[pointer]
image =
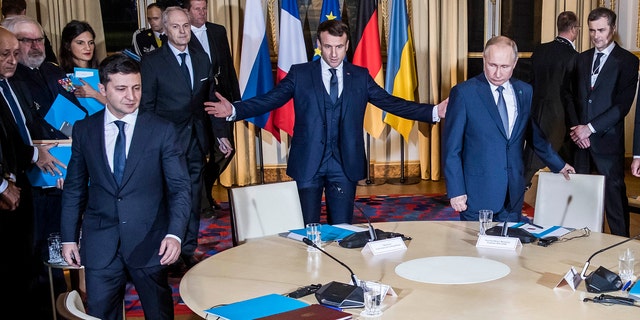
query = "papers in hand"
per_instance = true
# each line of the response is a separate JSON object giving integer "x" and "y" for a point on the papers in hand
{"x": 91, "y": 77}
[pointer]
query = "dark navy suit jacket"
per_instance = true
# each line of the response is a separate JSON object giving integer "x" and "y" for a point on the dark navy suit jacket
{"x": 479, "y": 159}
{"x": 304, "y": 84}
{"x": 152, "y": 201}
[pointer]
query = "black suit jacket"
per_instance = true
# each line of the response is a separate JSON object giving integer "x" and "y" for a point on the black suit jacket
{"x": 43, "y": 85}
{"x": 553, "y": 70}
{"x": 165, "y": 93}
{"x": 225, "y": 81}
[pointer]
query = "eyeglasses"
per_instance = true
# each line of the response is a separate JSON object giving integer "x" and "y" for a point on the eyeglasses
{"x": 32, "y": 41}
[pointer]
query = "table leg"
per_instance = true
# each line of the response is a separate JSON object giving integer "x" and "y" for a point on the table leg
{"x": 53, "y": 296}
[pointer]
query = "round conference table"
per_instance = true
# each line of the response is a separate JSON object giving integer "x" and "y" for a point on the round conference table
{"x": 275, "y": 264}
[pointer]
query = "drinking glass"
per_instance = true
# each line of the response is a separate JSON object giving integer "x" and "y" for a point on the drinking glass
{"x": 372, "y": 298}
{"x": 314, "y": 234}
{"x": 486, "y": 220}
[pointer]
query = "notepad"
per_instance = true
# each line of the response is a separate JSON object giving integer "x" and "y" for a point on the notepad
{"x": 327, "y": 233}
{"x": 256, "y": 307}
{"x": 312, "y": 312}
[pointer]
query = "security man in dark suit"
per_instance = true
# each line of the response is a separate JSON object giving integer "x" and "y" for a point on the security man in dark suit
{"x": 606, "y": 86}
{"x": 553, "y": 70}
{"x": 212, "y": 38}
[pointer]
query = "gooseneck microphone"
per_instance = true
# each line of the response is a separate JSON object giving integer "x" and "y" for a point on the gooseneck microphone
{"x": 603, "y": 280}
{"x": 372, "y": 232}
{"x": 338, "y": 294}
{"x": 308, "y": 242}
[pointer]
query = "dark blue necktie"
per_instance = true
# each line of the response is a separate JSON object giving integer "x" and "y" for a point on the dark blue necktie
{"x": 119, "y": 152}
{"x": 184, "y": 68}
{"x": 596, "y": 65}
{"x": 502, "y": 109}
{"x": 22, "y": 128}
{"x": 333, "y": 85}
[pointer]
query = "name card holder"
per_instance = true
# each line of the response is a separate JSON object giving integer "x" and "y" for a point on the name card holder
{"x": 495, "y": 242}
{"x": 385, "y": 246}
{"x": 572, "y": 279}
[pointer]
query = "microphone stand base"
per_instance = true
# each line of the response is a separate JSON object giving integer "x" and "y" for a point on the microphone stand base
{"x": 371, "y": 182}
{"x": 404, "y": 181}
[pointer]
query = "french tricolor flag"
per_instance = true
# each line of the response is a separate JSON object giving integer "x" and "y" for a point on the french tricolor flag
{"x": 291, "y": 51}
{"x": 255, "y": 65}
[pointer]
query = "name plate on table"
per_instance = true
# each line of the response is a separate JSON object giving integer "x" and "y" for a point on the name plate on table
{"x": 495, "y": 242}
{"x": 385, "y": 246}
{"x": 572, "y": 279}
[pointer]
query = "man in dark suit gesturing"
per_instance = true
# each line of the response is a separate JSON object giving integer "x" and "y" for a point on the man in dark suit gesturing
{"x": 484, "y": 135}
{"x": 327, "y": 149}
{"x": 606, "y": 85}
{"x": 553, "y": 72}
{"x": 176, "y": 84}
{"x": 127, "y": 183}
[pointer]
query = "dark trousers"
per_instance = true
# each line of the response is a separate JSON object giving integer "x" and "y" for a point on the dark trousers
{"x": 339, "y": 194}
{"x": 195, "y": 163}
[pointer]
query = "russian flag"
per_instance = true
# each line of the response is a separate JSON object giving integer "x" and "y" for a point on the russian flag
{"x": 291, "y": 51}
{"x": 401, "y": 80}
{"x": 330, "y": 11}
{"x": 256, "y": 77}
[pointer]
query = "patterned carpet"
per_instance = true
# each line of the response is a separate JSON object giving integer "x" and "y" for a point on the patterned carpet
{"x": 215, "y": 235}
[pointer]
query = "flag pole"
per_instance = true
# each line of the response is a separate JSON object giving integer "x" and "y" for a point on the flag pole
{"x": 369, "y": 181}
{"x": 403, "y": 180}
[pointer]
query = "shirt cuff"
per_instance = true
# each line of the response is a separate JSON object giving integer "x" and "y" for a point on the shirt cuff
{"x": 173, "y": 236}
{"x": 36, "y": 154}
{"x": 434, "y": 114}
{"x": 591, "y": 128}
{"x": 4, "y": 185}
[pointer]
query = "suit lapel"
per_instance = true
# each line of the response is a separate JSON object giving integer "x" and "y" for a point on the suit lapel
{"x": 316, "y": 78}
{"x": 484, "y": 91}
{"x": 171, "y": 60}
{"x": 139, "y": 140}
{"x": 212, "y": 45}
{"x": 96, "y": 133}
{"x": 347, "y": 74}
{"x": 607, "y": 70}
{"x": 519, "y": 123}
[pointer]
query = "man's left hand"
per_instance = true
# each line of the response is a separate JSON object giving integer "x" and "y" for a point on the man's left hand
{"x": 567, "y": 170}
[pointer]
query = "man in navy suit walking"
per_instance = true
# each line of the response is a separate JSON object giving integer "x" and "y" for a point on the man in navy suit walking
{"x": 484, "y": 136}
{"x": 127, "y": 192}
{"x": 327, "y": 149}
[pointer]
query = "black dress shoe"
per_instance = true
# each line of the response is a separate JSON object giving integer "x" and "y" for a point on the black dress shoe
{"x": 216, "y": 205}
{"x": 209, "y": 213}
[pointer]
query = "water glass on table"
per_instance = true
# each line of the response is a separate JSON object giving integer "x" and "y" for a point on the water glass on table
{"x": 626, "y": 265}
{"x": 55, "y": 248}
{"x": 372, "y": 299}
{"x": 486, "y": 221}
{"x": 314, "y": 234}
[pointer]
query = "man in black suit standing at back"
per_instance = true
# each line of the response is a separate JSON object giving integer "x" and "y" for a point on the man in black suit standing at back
{"x": 553, "y": 70}
{"x": 606, "y": 85}
{"x": 212, "y": 38}
{"x": 176, "y": 84}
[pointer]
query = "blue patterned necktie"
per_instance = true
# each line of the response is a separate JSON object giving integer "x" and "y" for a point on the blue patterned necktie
{"x": 502, "y": 109}
{"x": 184, "y": 68}
{"x": 119, "y": 152}
{"x": 333, "y": 85}
{"x": 22, "y": 128}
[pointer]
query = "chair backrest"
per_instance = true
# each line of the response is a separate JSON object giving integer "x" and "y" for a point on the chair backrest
{"x": 262, "y": 210}
{"x": 575, "y": 203}
{"x": 69, "y": 306}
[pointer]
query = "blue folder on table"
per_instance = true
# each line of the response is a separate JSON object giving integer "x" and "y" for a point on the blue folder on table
{"x": 327, "y": 232}
{"x": 261, "y": 306}
{"x": 92, "y": 77}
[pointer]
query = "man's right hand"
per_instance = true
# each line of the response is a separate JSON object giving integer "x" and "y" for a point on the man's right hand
{"x": 10, "y": 197}
{"x": 442, "y": 108}
{"x": 459, "y": 203}
{"x": 221, "y": 109}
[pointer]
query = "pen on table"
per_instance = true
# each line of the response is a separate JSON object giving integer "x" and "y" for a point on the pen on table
{"x": 627, "y": 285}
{"x": 535, "y": 225}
